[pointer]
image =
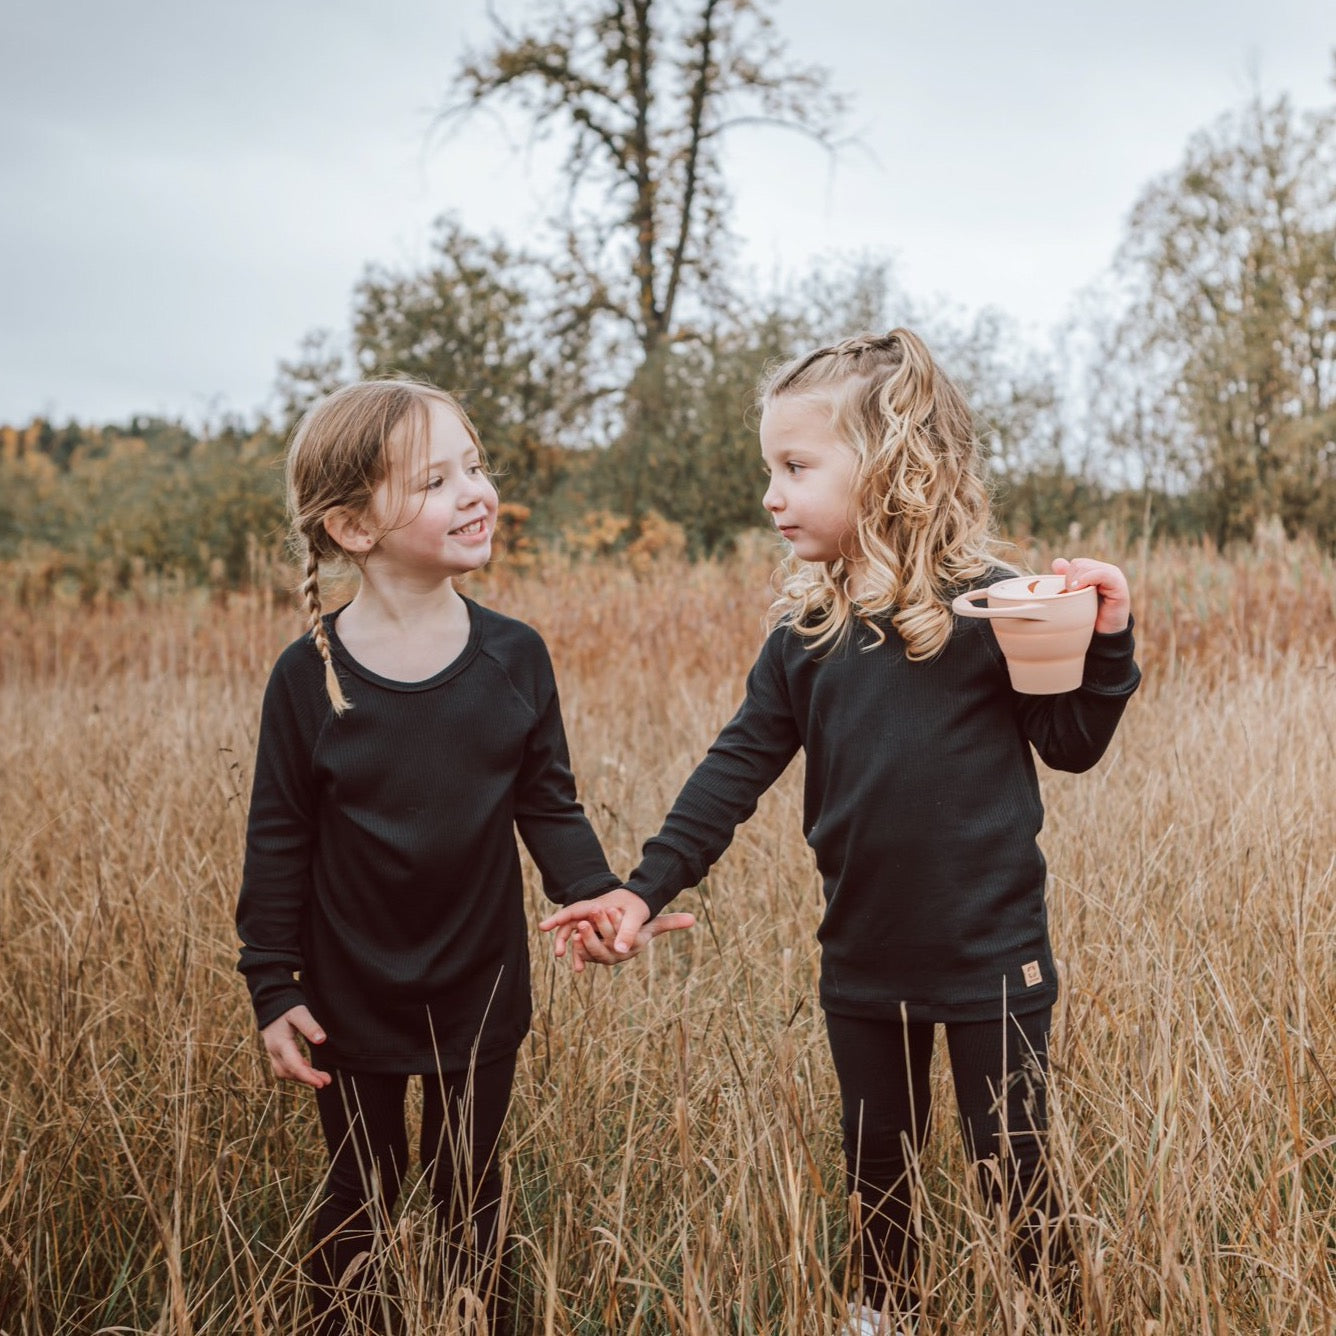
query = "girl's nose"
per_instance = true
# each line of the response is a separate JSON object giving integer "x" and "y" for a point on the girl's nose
{"x": 476, "y": 487}
{"x": 772, "y": 500}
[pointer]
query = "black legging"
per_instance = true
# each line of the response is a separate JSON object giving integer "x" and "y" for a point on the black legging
{"x": 362, "y": 1115}
{"x": 883, "y": 1070}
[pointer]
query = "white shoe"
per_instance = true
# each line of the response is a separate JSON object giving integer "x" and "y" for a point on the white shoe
{"x": 865, "y": 1321}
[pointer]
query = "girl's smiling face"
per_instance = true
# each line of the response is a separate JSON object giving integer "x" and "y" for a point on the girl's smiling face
{"x": 438, "y": 514}
{"x": 812, "y": 478}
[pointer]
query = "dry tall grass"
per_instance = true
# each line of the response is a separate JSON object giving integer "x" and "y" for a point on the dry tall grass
{"x": 673, "y": 1151}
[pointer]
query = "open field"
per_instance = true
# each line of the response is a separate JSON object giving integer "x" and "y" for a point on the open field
{"x": 673, "y": 1151}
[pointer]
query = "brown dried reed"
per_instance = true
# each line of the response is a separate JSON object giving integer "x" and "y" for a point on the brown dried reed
{"x": 673, "y": 1152}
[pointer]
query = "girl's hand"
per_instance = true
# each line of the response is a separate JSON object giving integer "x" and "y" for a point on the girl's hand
{"x": 285, "y": 1054}
{"x": 594, "y": 939}
{"x": 609, "y": 929}
{"x": 1115, "y": 601}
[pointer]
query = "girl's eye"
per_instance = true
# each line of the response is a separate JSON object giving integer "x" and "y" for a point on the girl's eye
{"x": 793, "y": 469}
{"x": 434, "y": 483}
{"x": 476, "y": 469}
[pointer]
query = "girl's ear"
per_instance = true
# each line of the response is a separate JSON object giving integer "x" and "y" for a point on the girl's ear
{"x": 349, "y": 530}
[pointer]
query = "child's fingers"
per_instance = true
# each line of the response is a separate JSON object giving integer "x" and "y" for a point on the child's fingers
{"x": 608, "y": 934}
{"x": 1115, "y": 601}
{"x": 577, "y": 955}
{"x": 566, "y": 915}
{"x": 1079, "y": 572}
{"x": 606, "y": 923}
{"x": 289, "y": 1063}
{"x": 585, "y": 940}
{"x": 306, "y": 1025}
{"x": 670, "y": 923}
{"x": 588, "y": 948}
{"x": 303, "y": 1073}
{"x": 563, "y": 936}
{"x": 1082, "y": 571}
{"x": 597, "y": 943}
{"x": 565, "y": 932}
{"x": 569, "y": 914}
{"x": 285, "y": 1053}
{"x": 633, "y": 919}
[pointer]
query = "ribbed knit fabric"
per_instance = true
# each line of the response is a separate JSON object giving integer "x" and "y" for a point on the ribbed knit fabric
{"x": 921, "y": 805}
{"x": 382, "y": 882}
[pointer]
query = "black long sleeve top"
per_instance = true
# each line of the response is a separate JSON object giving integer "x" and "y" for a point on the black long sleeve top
{"x": 921, "y": 804}
{"x": 382, "y": 883}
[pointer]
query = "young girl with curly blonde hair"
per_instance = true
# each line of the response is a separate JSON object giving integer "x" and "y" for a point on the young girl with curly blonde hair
{"x": 922, "y": 801}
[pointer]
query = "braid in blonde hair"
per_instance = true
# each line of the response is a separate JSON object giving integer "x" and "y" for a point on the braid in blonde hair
{"x": 315, "y": 616}
{"x": 339, "y": 455}
{"x": 921, "y": 508}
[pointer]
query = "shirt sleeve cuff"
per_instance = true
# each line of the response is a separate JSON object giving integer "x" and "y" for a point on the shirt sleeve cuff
{"x": 588, "y": 887}
{"x": 273, "y": 1001}
{"x": 1109, "y": 666}
{"x": 660, "y": 876}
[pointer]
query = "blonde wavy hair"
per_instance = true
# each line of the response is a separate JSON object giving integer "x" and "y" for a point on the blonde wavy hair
{"x": 341, "y": 451}
{"x": 920, "y": 507}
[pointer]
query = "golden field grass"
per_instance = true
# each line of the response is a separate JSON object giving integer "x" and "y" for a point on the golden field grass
{"x": 673, "y": 1152}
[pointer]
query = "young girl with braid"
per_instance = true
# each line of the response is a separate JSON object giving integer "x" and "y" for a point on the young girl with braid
{"x": 921, "y": 801}
{"x": 381, "y": 913}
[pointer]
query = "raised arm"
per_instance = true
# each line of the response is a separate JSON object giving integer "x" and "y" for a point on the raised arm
{"x": 1071, "y": 731}
{"x": 722, "y": 792}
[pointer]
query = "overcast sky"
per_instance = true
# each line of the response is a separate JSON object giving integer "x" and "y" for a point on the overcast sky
{"x": 189, "y": 188}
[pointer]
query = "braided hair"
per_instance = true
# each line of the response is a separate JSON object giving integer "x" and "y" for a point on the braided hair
{"x": 920, "y": 508}
{"x": 339, "y": 454}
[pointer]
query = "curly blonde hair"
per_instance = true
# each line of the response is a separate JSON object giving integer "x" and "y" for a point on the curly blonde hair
{"x": 339, "y": 454}
{"x": 921, "y": 507}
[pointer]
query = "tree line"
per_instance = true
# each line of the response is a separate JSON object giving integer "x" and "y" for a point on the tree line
{"x": 611, "y": 364}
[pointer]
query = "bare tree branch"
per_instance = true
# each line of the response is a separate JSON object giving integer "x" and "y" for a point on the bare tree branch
{"x": 603, "y": 70}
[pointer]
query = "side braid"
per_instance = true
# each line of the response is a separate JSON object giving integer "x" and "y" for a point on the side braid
{"x": 922, "y": 522}
{"x": 852, "y": 348}
{"x": 865, "y": 343}
{"x": 311, "y": 593}
{"x": 339, "y": 455}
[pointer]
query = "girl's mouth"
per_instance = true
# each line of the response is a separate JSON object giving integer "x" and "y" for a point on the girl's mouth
{"x": 472, "y": 529}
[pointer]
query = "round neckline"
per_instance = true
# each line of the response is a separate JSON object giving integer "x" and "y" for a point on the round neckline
{"x": 456, "y": 665}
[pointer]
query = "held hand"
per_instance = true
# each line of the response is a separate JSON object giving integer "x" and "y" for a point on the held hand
{"x": 285, "y": 1054}
{"x": 628, "y": 910}
{"x": 608, "y": 929}
{"x": 594, "y": 939}
{"x": 1115, "y": 601}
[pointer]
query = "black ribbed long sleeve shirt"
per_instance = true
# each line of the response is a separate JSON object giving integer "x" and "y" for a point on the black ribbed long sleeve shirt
{"x": 382, "y": 883}
{"x": 921, "y": 804}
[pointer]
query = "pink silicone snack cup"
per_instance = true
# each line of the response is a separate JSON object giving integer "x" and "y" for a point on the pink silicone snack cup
{"x": 1042, "y": 627}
